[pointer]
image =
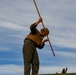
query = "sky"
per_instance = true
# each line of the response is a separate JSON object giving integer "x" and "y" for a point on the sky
{"x": 59, "y": 16}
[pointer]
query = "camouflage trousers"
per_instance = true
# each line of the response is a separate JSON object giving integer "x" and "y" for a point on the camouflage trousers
{"x": 30, "y": 56}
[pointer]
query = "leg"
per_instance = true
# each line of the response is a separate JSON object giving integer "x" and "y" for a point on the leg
{"x": 27, "y": 70}
{"x": 27, "y": 55}
{"x": 35, "y": 63}
{"x": 27, "y": 66}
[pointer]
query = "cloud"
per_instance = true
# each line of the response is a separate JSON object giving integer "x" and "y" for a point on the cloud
{"x": 4, "y": 49}
{"x": 59, "y": 16}
{"x": 66, "y": 54}
{"x": 64, "y": 39}
{"x": 59, "y": 52}
{"x": 11, "y": 26}
{"x": 11, "y": 69}
{"x": 19, "y": 70}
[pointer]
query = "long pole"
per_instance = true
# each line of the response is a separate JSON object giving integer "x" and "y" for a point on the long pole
{"x": 43, "y": 26}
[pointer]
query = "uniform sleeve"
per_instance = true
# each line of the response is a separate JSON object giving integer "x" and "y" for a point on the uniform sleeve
{"x": 33, "y": 28}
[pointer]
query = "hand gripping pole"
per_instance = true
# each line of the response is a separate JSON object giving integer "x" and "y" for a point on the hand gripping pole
{"x": 43, "y": 26}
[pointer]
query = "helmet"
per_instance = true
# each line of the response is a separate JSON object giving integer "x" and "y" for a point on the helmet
{"x": 45, "y": 30}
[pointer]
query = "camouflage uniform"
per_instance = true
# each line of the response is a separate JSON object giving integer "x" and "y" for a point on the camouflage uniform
{"x": 30, "y": 54}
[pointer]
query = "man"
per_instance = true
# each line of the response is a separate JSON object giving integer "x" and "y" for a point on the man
{"x": 31, "y": 42}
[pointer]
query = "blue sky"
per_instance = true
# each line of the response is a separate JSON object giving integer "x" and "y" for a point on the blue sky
{"x": 59, "y": 17}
